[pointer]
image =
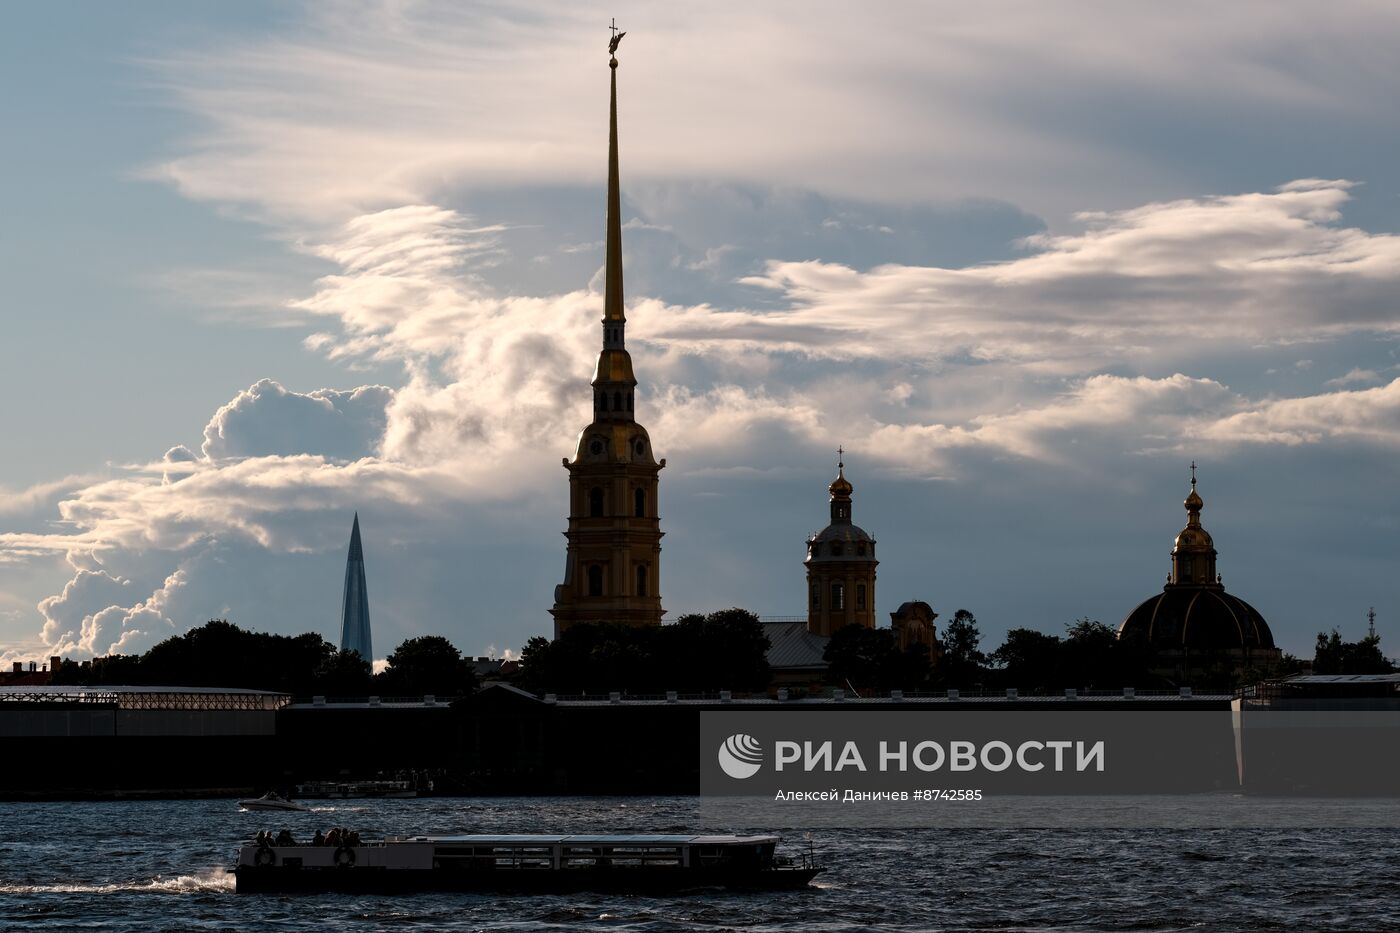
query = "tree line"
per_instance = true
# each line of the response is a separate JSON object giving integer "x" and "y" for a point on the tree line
{"x": 724, "y": 650}
{"x": 221, "y": 654}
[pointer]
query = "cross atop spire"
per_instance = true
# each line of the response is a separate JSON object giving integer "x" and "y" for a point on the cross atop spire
{"x": 840, "y": 457}
{"x": 1193, "y": 474}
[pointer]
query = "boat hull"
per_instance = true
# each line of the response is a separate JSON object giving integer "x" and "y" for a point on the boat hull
{"x": 277, "y": 879}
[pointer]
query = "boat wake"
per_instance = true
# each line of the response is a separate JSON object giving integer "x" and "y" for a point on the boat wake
{"x": 215, "y": 880}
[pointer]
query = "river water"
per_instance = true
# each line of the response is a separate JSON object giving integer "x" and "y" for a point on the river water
{"x": 159, "y": 865}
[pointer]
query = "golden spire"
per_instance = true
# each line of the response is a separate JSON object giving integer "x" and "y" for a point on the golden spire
{"x": 612, "y": 300}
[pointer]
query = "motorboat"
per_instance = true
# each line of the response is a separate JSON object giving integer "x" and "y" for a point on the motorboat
{"x": 525, "y": 864}
{"x": 272, "y": 801}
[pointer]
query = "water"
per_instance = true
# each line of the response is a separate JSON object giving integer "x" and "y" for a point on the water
{"x": 158, "y": 865}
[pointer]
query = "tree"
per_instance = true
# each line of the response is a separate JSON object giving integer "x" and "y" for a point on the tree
{"x": 1334, "y": 656}
{"x": 725, "y": 650}
{"x": 1028, "y": 659}
{"x": 962, "y": 661}
{"x": 870, "y": 660}
{"x": 344, "y": 674}
{"x": 428, "y": 664}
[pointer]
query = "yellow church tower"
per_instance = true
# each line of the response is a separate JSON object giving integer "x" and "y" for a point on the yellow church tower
{"x": 612, "y": 568}
{"x": 840, "y": 566}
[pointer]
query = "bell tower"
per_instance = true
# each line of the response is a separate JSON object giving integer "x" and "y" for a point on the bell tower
{"x": 613, "y": 558}
{"x": 840, "y": 566}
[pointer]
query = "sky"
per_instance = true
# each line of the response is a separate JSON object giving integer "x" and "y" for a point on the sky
{"x": 266, "y": 265}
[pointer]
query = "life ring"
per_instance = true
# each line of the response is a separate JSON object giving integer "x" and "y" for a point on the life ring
{"x": 344, "y": 857}
{"x": 265, "y": 856}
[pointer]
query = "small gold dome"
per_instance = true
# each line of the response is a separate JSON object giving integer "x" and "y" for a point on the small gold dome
{"x": 841, "y": 487}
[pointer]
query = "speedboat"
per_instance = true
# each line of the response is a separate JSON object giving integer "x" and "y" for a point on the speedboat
{"x": 272, "y": 801}
{"x": 524, "y": 863}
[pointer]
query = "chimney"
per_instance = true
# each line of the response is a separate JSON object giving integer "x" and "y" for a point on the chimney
{"x": 33, "y": 666}
{"x": 19, "y": 667}
{"x": 55, "y": 663}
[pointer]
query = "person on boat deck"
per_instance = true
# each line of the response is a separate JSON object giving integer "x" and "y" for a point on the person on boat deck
{"x": 353, "y": 839}
{"x": 333, "y": 837}
{"x": 284, "y": 838}
{"x": 260, "y": 839}
{"x": 319, "y": 839}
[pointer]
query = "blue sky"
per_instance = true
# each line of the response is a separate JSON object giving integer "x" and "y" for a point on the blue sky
{"x": 266, "y": 265}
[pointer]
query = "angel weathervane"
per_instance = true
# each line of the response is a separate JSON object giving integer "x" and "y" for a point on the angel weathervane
{"x": 617, "y": 37}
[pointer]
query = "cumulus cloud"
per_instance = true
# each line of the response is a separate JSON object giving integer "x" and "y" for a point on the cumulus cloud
{"x": 268, "y": 420}
{"x": 99, "y": 614}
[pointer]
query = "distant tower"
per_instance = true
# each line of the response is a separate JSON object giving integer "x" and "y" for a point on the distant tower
{"x": 1371, "y": 620}
{"x": 354, "y": 605}
{"x": 612, "y": 565}
{"x": 840, "y": 567}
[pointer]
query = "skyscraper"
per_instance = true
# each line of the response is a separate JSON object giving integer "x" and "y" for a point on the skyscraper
{"x": 354, "y": 604}
{"x": 612, "y": 568}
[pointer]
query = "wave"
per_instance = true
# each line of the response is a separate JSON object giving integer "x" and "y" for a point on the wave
{"x": 214, "y": 880}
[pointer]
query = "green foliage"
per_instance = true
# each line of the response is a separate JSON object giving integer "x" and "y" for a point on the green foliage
{"x": 428, "y": 664}
{"x": 962, "y": 664}
{"x": 217, "y": 654}
{"x": 870, "y": 660}
{"x": 724, "y": 650}
{"x": 1334, "y": 656}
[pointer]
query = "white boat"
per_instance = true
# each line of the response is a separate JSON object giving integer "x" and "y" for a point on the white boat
{"x": 272, "y": 801}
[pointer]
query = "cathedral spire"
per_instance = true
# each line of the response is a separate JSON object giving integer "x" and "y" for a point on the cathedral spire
{"x": 613, "y": 381}
{"x": 612, "y": 302}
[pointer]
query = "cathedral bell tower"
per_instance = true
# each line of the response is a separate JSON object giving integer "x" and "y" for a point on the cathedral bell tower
{"x": 612, "y": 564}
{"x": 840, "y": 567}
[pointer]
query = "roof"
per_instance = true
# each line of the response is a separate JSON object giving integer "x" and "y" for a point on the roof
{"x": 1197, "y": 616}
{"x": 143, "y": 696}
{"x": 1344, "y": 679}
{"x": 791, "y": 646}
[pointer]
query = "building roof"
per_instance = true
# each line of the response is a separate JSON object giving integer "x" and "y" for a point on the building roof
{"x": 143, "y": 696}
{"x": 1200, "y": 617}
{"x": 793, "y": 647}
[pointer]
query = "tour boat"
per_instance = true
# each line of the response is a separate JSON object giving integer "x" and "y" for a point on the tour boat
{"x": 271, "y": 801}
{"x": 525, "y": 863}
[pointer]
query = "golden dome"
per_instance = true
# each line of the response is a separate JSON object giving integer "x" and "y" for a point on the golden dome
{"x": 841, "y": 487}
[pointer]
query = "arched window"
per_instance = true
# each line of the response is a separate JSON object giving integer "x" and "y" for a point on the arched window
{"x": 641, "y": 579}
{"x": 595, "y": 580}
{"x": 617, "y": 401}
{"x": 629, "y": 401}
{"x": 836, "y": 549}
{"x": 595, "y": 502}
{"x": 639, "y": 502}
{"x": 816, "y": 596}
{"x": 860, "y": 595}
{"x": 603, "y": 401}
{"x": 838, "y": 596}
{"x": 860, "y": 549}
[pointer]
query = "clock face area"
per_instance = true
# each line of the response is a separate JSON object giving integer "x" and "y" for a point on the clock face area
{"x": 597, "y": 447}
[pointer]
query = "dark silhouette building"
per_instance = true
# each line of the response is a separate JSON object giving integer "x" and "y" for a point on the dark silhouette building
{"x": 1193, "y": 626}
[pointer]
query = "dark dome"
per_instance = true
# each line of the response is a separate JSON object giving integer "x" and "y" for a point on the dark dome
{"x": 854, "y": 544}
{"x": 1197, "y": 617}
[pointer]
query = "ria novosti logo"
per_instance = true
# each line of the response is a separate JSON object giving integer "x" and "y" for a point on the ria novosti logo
{"x": 740, "y": 756}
